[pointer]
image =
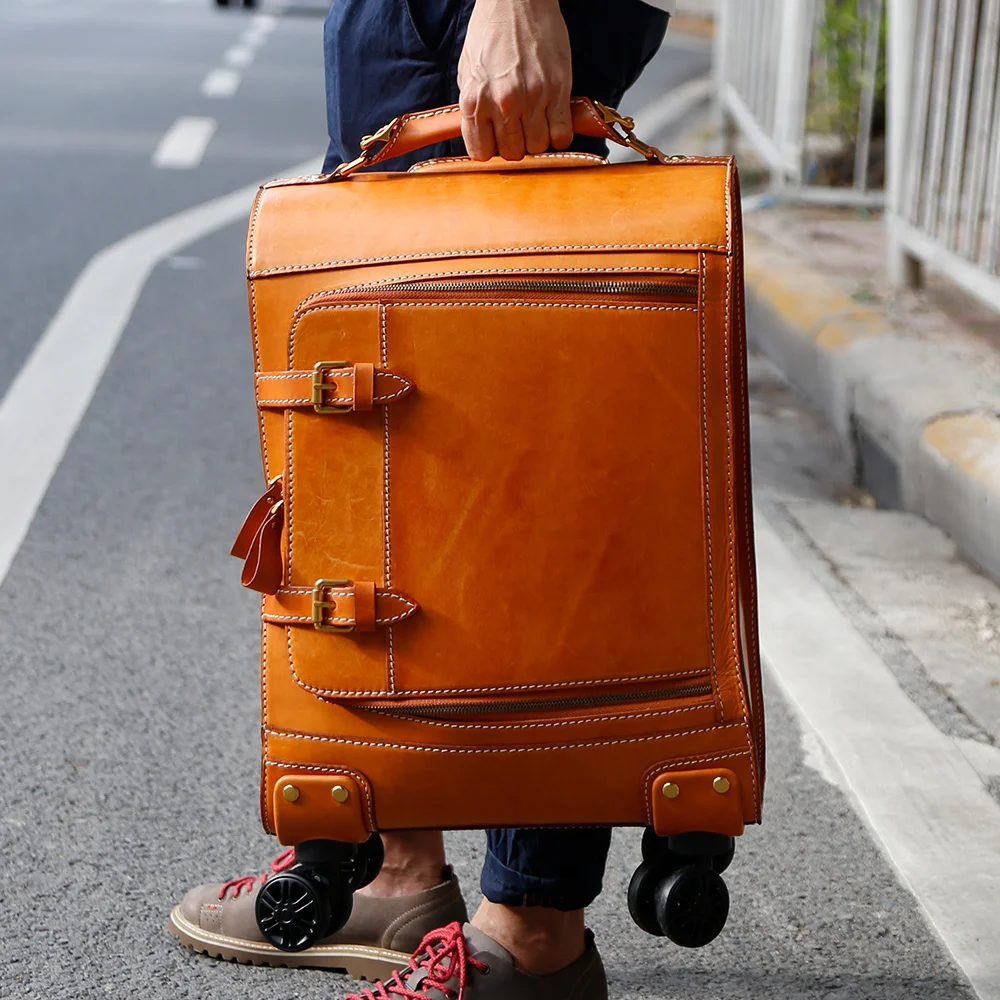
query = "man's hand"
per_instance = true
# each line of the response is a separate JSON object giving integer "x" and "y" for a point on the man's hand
{"x": 514, "y": 79}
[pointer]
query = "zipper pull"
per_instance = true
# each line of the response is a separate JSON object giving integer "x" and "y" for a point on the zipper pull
{"x": 259, "y": 541}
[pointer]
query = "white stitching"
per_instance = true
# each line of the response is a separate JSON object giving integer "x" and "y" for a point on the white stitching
{"x": 729, "y": 204}
{"x": 302, "y": 401}
{"x": 357, "y": 775}
{"x": 482, "y": 252}
{"x": 479, "y": 272}
{"x": 307, "y": 620}
{"x": 708, "y": 497}
{"x": 554, "y": 685}
{"x": 290, "y": 476}
{"x": 730, "y": 507}
{"x": 340, "y": 741}
{"x": 551, "y": 725}
{"x": 301, "y": 314}
{"x": 688, "y": 161}
{"x": 490, "y": 305}
{"x": 585, "y": 157}
{"x": 266, "y": 806}
{"x": 657, "y": 768}
{"x": 387, "y": 555}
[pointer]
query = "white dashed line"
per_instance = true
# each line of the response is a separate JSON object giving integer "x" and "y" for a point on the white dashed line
{"x": 265, "y": 23}
{"x": 221, "y": 83}
{"x": 81, "y": 339}
{"x": 239, "y": 55}
{"x": 184, "y": 143}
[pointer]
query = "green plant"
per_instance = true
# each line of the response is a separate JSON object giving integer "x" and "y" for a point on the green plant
{"x": 838, "y": 70}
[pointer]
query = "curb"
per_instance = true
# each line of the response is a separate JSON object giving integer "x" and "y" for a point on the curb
{"x": 921, "y": 425}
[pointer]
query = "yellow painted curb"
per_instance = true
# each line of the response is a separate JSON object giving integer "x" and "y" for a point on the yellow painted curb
{"x": 807, "y": 302}
{"x": 971, "y": 443}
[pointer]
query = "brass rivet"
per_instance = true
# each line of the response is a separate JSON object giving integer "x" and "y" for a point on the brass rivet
{"x": 670, "y": 790}
{"x": 721, "y": 785}
{"x": 340, "y": 793}
{"x": 290, "y": 792}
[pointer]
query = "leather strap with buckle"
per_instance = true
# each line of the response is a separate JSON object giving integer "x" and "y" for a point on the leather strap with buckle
{"x": 338, "y": 606}
{"x": 258, "y": 543}
{"x": 331, "y": 387}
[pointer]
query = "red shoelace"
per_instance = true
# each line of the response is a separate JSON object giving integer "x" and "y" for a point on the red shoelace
{"x": 282, "y": 862}
{"x": 444, "y": 954}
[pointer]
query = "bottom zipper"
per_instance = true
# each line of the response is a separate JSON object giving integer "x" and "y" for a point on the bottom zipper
{"x": 504, "y": 706}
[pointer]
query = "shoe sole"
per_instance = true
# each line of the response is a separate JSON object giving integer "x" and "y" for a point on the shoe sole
{"x": 357, "y": 960}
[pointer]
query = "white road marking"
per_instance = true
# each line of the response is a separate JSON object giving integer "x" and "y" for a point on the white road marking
{"x": 239, "y": 55}
{"x": 984, "y": 757}
{"x": 47, "y": 400}
{"x": 922, "y": 800}
{"x": 184, "y": 143}
{"x": 652, "y": 120}
{"x": 816, "y": 756}
{"x": 259, "y": 30}
{"x": 265, "y": 23}
{"x": 223, "y": 82}
{"x": 185, "y": 263}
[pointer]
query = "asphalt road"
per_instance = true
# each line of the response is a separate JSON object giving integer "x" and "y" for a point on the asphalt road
{"x": 128, "y": 652}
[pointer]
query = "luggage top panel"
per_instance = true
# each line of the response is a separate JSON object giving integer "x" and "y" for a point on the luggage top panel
{"x": 373, "y": 218}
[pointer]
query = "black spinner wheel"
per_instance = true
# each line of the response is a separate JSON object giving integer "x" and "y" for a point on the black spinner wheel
{"x": 367, "y": 863}
{"x": 692, "y": 905}
{"x": 292, "y": 910}
{"x": 658, "y": 850}
{"x": 642, "y": 897}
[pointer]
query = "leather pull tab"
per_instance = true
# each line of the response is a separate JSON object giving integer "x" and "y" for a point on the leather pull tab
{"x": 263, "y": 569}
{"x": 364, "y": 606}
{"x": 364, "y": 386}
{"x": 256, "y": 517}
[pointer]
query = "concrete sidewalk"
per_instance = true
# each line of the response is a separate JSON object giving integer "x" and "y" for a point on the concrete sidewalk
{"x": 910, "y": 380}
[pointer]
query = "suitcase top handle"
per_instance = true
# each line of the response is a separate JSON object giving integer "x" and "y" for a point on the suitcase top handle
{"x": 424, "y": 128}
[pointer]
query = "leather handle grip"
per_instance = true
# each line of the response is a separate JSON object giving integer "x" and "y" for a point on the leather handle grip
{"x": 424, "y": 128}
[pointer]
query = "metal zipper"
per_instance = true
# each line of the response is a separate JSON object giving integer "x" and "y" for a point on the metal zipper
{"x": 620, "y": 286}
{"x": 499, "y": 705}
{"x": 645, "y": 288}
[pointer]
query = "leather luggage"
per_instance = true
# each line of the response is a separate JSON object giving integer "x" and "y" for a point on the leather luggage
{"x": 505, "y": 551}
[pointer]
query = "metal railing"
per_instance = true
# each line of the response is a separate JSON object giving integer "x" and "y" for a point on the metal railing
{"x": 944, "y": 142}
{"x": 776, "y": 72}
{"x": 773, "y": 76}
{"x": 761, "y": 71}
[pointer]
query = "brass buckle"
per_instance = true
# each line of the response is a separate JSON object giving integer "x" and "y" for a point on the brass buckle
{"x": 319, "y": 606}
{"x": 612, "y": 117}
{"x": 383, "y": 135}
{"x": 627, "y": 125}
{"x": 319, "y": 387}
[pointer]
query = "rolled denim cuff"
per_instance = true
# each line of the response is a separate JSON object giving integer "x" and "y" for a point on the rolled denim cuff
{"x": 568, "y": 888}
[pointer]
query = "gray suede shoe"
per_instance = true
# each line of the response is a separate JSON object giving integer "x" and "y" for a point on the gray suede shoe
{"x": 461, "y": 963}
{"x": 379, "y": 937}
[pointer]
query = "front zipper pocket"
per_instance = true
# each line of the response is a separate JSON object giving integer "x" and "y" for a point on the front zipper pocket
{"x": 543, "y": 485}
{"x": 578, "y": 288}
{"x": 480, "y": 707}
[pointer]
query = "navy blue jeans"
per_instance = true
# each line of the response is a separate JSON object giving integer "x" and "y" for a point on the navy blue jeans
{"x": 383, "y": 59}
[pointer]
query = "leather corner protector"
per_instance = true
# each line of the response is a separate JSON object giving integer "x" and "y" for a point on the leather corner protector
{"x": 320, "y": 807}
{"x": 706, "y": 800}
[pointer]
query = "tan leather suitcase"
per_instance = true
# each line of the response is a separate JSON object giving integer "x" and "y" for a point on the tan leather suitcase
{"x": 506, "y": 544}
